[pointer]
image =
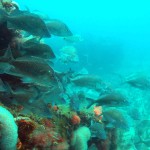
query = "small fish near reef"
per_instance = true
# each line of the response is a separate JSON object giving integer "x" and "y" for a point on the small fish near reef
{"x": 37, "y": 49}
{"x": 73, "y": 39}
{"x": 112, "y": 99}
{"x": 22, "y": 95}
{"x": 30, "y": 69}
{"x": 116, "y": 118}
{"x": 58, "y": 28}
{"x": 91, "y": 81}
{"x": 24, "y": 20}
{"x": 139, "y": 81}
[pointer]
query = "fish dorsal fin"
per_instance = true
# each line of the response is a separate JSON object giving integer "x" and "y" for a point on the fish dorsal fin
{"x": 91, "y": 102}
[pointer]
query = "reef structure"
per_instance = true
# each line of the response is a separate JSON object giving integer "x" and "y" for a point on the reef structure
{"x": 8, "y": 130}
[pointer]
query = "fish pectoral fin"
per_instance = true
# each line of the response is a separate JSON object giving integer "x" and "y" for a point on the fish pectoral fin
{"x": 91, "y": 102}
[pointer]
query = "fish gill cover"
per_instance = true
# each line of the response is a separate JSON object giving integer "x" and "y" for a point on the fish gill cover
{"x": 75, "y": 74}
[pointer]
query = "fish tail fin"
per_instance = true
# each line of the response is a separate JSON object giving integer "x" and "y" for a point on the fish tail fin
{"x": 91, "y": 102}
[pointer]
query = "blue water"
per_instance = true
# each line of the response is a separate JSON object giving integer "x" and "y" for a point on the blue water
{"x": 116, "y": 33}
